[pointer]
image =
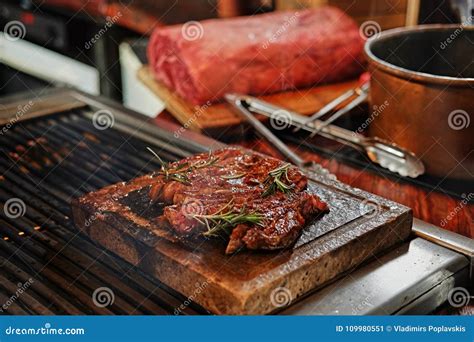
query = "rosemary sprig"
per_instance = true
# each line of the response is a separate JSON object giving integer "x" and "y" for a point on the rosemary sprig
{"x": 274, "y": 181}
{"x": 180, "y": 173}
{"x": 226, "y": 218}
{"x": 169, "y": 173}
{"x": 211, "y": 160}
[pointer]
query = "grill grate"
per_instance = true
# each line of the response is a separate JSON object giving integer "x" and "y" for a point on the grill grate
{"x": 44, "y": 164}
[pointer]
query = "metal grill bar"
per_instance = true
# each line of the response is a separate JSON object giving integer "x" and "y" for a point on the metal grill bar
{"x": 46, "y": 163}
{"x": 83, "y": 154}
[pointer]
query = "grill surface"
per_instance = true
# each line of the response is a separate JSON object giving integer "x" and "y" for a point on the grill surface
{"x": 46, "y": 162}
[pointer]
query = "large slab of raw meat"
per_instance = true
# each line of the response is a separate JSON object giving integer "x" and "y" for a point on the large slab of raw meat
{"x": 255, "y": 55}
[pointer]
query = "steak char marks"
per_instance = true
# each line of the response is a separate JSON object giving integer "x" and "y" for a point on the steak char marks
{"x": 235, "y": 193}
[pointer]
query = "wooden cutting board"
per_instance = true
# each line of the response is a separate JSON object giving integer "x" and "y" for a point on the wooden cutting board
{"x": 358, "y": 226}
{"x": 212, "y": 119}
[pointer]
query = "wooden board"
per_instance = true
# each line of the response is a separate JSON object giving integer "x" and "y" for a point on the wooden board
{"x": 358, "y": 226}
{"x": 387, "y": 14}
{"x": 213, "y": 118}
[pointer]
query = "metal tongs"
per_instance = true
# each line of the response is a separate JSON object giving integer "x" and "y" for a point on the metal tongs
{"x": 308, "y": 166}
{"x": 361, "y": 91}
{"x": 384, "y": 153}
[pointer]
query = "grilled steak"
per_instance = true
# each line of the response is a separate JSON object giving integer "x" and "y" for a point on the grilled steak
{"x": 255, "y": 55}
{"x": 260, "y": 202}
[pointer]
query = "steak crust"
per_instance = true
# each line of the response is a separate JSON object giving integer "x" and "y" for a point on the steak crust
{"x": 234, "y": 180}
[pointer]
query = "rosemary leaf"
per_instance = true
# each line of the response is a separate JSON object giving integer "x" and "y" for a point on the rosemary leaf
{"x": 226, "y": 218}
{"x": 181, "y": 172}
{"x": 163, "y": 163}
{"x": 274, "y": 183}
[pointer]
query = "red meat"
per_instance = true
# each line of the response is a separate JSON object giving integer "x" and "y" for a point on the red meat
{"x": 255, "y": 55}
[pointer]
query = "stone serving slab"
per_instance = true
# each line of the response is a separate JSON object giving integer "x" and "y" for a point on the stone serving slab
{"x": 358, "y": 226}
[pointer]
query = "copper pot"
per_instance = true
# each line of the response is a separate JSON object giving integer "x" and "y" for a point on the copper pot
{"x": 422, "y": 93}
